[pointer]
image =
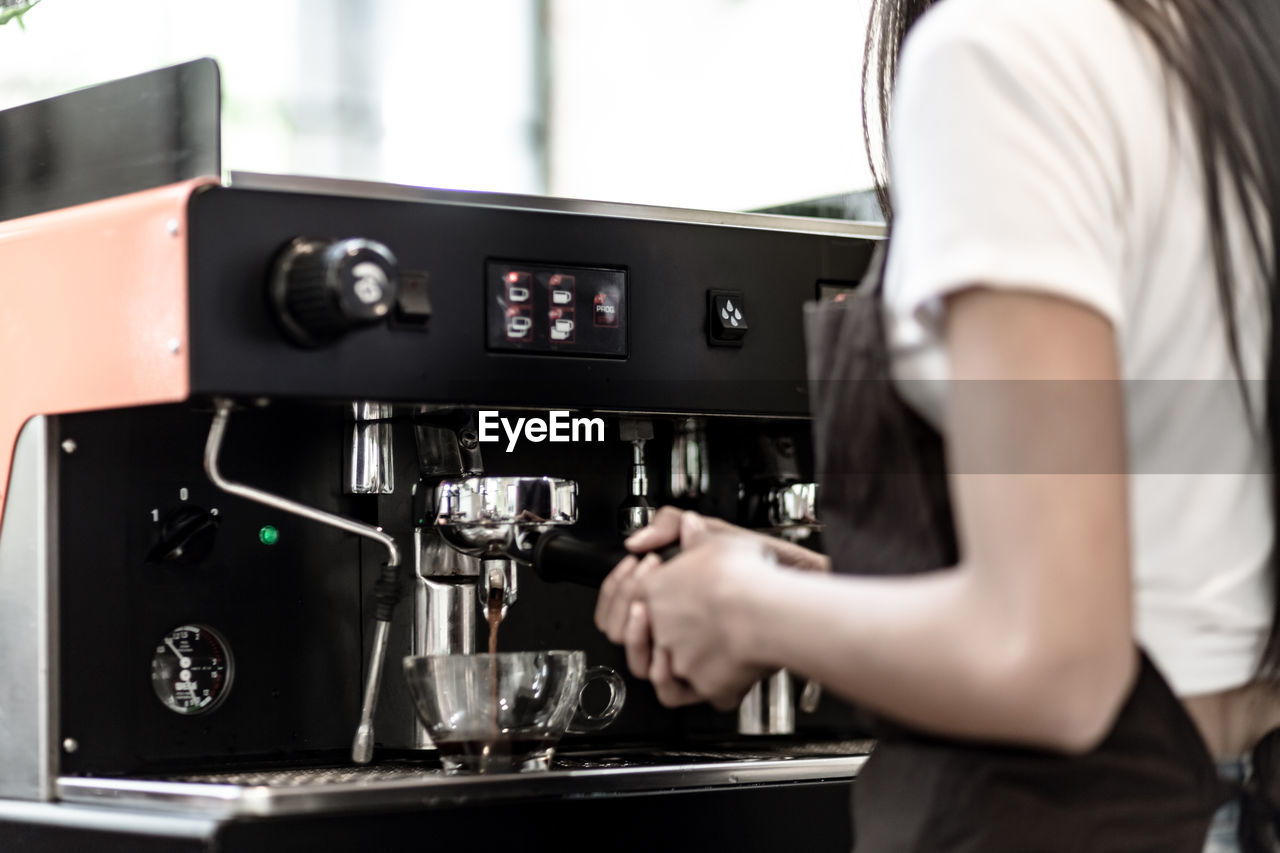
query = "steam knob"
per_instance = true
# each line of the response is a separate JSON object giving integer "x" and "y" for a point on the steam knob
{"x": 321, "y": 289}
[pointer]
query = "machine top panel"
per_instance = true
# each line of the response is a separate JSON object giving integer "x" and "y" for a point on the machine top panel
{"x": 656, "y": 315}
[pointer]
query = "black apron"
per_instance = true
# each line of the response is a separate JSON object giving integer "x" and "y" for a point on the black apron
{"x": 1150, "y": 786}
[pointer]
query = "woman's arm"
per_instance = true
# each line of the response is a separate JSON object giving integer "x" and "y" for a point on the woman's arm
{"x": 1029, "y": 639}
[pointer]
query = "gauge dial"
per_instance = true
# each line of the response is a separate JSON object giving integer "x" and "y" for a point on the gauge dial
{"x": 191, "y": 669}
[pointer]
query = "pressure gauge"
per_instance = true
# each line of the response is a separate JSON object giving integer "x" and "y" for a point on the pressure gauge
{"x": 192, "y": 669}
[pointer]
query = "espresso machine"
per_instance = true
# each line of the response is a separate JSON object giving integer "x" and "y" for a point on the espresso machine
{"x": 262, "y": 437}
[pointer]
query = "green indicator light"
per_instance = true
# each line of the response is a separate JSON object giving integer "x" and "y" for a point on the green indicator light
{"x": 268, "y": 535}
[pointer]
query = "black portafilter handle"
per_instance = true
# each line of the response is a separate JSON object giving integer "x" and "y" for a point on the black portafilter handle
{"x": 559, "y": 556}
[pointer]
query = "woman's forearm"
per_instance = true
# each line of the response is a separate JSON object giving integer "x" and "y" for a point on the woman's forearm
{"x": 934, "y": 651}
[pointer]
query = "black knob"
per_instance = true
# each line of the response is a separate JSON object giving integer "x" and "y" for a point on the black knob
{"x": 186, "y": 536}
{"x": 321, "y": 289}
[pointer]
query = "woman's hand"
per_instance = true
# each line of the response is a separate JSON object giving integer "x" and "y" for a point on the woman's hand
{"x": 687, "y": 626}
{"x": 688, "y": 529}
{"x": 618, "y": 592}
{"x": 680, "y": 597}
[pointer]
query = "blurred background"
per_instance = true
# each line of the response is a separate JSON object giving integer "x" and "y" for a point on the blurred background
{"x": 718, "y": 104}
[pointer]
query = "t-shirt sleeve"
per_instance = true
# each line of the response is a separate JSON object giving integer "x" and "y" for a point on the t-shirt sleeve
{"x": 1005, "y": 165}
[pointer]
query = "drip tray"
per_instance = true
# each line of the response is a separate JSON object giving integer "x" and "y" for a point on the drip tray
{"x": 405, "y": 784}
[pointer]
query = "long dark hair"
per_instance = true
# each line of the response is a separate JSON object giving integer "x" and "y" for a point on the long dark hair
{"x": 1221, "y": 55}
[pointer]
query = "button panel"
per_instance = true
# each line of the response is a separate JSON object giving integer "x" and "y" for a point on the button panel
{"x": 538, "y": 308}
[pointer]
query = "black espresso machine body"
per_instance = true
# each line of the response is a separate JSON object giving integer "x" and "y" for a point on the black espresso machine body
{"x": 295, "y": 613}
{"x": 673, "y": 337}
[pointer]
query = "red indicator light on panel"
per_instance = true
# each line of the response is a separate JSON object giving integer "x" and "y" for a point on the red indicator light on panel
{"x": 519, "y": 286}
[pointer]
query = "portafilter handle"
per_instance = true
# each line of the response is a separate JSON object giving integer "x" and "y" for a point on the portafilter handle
{"x": 558, "y": 556}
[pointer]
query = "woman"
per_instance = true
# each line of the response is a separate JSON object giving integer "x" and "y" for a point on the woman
{"x": 1052, "y": 219}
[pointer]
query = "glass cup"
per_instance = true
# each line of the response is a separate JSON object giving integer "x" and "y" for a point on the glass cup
{"x": 506, "y": 712}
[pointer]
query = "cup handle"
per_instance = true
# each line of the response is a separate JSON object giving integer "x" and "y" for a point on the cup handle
{"x": 584, "y": 722}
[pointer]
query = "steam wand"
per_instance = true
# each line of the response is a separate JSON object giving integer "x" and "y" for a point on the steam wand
{"x": 387, "y": 591}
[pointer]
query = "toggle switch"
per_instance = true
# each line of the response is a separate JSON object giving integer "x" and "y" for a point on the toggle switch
{"x": 413, "y": 305}
{"x": 726, "y": 318}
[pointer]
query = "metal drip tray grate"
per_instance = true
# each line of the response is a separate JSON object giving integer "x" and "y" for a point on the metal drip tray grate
{"x": 307, "y": 776}
{"x": 670, "y": 757}
{"x": 401, "y": 785}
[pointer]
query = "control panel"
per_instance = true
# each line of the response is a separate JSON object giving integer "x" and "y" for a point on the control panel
{"x": 454, "y": 299}
{"x": 556, "y": 310}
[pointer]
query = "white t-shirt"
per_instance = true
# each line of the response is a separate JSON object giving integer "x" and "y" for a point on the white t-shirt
{"x": 1033, "y": 146}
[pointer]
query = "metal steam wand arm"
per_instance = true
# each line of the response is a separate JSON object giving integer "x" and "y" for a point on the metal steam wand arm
{"x": 388, "y": 587}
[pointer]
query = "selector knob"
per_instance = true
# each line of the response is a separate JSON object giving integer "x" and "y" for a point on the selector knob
{"x": 321, "y": 289}
{"x": 186, "y": 536}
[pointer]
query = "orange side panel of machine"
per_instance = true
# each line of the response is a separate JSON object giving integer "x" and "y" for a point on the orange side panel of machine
{"x": 93, "y": 309}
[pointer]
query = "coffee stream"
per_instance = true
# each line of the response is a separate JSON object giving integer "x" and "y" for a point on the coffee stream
{"x": 494, "y": 616}
{"x": 495, "y": 619}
